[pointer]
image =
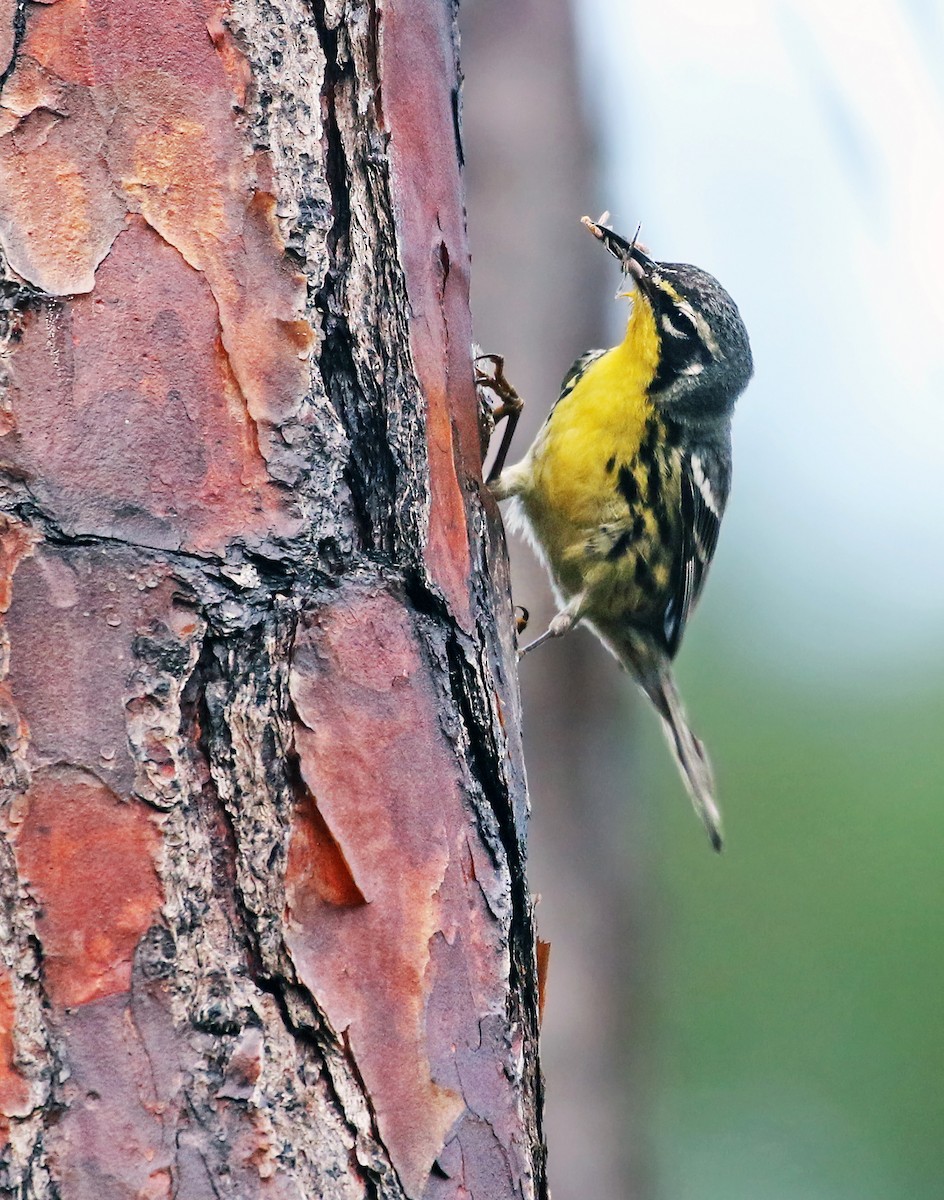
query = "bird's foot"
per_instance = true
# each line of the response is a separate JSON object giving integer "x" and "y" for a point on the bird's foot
{"x": 508, "y": 405}
{"x": 562, "y": 623}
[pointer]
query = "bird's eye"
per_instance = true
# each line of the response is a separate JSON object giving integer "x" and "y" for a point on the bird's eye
{"x": 683, "y": 351}
{"x": 679, "y": 324}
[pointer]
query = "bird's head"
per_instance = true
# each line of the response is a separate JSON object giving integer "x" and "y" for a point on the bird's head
{"x": 704, "y": 359}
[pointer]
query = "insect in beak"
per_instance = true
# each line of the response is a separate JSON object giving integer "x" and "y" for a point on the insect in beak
{"x": 631, "y": 256}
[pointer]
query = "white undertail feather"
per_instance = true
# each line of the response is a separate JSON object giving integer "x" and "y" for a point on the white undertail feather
{"x": 691, "y": 754}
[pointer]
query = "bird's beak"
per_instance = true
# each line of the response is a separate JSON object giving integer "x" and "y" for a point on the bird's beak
{"x": 630, "y": 255}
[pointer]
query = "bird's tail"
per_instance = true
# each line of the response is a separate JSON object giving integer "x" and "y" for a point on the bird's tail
{"x": 689, "y": 752}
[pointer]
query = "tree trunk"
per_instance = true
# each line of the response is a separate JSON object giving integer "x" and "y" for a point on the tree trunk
{"x": 265, "y": 926}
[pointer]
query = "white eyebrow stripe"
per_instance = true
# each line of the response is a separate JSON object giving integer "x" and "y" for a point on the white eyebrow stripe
{"x": 704, "y": 330}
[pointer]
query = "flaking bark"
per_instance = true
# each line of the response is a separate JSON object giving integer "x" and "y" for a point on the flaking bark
{"x": 265, "y": 927}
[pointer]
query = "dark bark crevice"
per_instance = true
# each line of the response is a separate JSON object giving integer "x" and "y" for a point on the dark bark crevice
{"x": 370, "y": 471}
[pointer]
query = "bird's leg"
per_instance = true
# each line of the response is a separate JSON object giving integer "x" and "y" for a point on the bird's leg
{"x": 565, "y": 620}
{"x": 509, "y": 405}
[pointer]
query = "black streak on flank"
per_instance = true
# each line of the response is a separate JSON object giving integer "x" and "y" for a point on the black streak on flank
{"x": 648, "y": 459}
{"x": 627, "y": 537}
{"x": 643, "y": 576}
{"x": 610, "y": 465}
{"x": 627, "y": 486}
{"x": 653, "y": 479}
{"x": 620, "y": 546}
{"x": 663, "y": 523}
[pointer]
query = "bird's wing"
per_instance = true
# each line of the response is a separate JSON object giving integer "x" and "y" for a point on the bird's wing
{"x": 577, "y": 368}
{"x": 705, "y": 483}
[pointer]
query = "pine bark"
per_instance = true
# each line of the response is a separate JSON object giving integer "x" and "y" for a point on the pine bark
{"x": 265, "y": 929}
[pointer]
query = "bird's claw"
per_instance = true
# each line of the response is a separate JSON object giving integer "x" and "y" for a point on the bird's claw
{"x": 509, "y": 404}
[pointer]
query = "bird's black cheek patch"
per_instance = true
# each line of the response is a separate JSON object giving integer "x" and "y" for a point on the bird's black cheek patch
{"x": 677, "y": 356}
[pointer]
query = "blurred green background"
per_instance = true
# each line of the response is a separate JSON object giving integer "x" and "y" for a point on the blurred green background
{"x": 766, "y": 1025}
{"x": 797, "y": 995}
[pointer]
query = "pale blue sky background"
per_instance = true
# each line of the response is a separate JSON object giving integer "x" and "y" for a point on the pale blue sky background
{"x": 796, "y": 149}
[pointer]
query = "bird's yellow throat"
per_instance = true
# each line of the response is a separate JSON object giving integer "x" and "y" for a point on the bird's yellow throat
{"x": 602, "y": 418}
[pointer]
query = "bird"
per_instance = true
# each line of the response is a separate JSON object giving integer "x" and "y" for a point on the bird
{"x": 623, "y": 490}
